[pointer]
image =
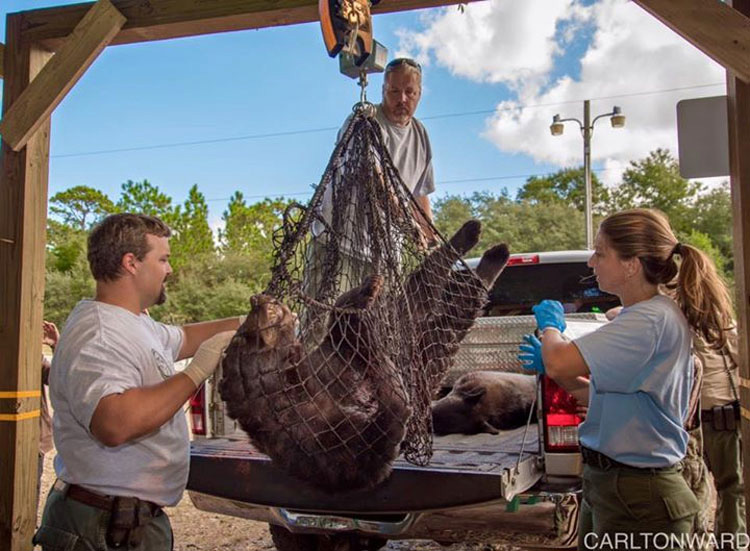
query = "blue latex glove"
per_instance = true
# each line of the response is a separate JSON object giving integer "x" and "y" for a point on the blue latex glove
{"x": 549, "y": 313}
{"x": 531, "y": 354}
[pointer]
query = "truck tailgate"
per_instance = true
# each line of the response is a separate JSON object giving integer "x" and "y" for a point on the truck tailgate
{"x": 464, "y": 470}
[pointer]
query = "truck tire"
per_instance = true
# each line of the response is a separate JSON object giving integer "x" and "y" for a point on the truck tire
{"x": 284, "y": 540}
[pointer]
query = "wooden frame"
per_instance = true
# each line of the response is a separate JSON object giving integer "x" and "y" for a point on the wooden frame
{"x": 23, "y": 216}
{"x": 738, "y": 107}
{"x": 36, "y": 103}
{"x": 719, "y": 30}
{"x": 713, "y": 27}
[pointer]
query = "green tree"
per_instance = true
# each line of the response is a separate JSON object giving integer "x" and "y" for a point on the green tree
{"x": 712, "y": 216}
{"x": 450, "y": 212}
{"x": 531, "y": 227}
{"x": 66, "y": 245}
{"x": 251, "y": 227}
{"x": 81, "y": 206}
{"x": 655, "y": 182}
{"x": 567, "y": 187}
{"x": 526, "y": 226}
{"x": 145, "y": 198}
{"x": 192, "y": 235}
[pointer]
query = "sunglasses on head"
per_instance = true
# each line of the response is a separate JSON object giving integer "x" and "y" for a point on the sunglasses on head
{"x": 403, "y": 61}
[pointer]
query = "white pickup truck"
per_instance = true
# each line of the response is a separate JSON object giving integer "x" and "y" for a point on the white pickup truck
{"x": 520, "y": 487}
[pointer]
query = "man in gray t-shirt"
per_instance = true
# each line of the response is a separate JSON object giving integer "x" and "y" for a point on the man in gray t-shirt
{"x": 409, "y": 146}
{"x": 406, "y": 137}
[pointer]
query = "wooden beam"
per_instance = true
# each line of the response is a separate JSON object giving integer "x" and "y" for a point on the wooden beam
{"x": 163, "y": 19}
{"x": 23, "y": 216}
{"x": 34, "y": 106}
{"x": 715, "y": 28}
{"x": 738, "y": 107}
{"x": 2, "y": 57}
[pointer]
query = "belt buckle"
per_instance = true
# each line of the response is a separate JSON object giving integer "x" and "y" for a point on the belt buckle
{"x": 61, "y": 486}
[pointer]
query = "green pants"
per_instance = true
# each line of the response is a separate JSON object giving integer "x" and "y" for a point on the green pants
{"x": 69, "y": 525}
{"x": 723, "y": 452}
{"x": 625, "y": 507}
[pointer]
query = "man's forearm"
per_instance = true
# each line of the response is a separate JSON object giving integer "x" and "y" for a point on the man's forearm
{"x": 196, "y": 333}
{"x": 120, "y": 418}
{"x": 424, "y": 202}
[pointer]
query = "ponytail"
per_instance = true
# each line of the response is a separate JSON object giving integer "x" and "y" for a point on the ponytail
{"x": 703, "y": 296}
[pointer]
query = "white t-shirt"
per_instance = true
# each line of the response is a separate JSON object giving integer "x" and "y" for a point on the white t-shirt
{"x": 103, "y": 350}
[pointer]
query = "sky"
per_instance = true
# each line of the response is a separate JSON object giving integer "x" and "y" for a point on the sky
{"x": 258, "y": 111}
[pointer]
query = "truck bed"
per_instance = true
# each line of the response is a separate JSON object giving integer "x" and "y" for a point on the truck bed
{"x": 463, "y": 470}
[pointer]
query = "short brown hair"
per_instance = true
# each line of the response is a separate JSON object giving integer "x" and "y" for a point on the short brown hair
{"x": 118, "y": 235}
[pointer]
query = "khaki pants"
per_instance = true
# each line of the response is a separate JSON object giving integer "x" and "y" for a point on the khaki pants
{"x": 723, "y": 452}
{"x": 69, "y": 525}
{"x": 639, "y": 508}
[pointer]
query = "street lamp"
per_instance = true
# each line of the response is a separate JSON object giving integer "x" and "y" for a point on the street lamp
{"x": 617, "y": 119}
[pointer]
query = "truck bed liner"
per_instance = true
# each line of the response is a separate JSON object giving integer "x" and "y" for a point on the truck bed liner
{"x": 464, "y": 470}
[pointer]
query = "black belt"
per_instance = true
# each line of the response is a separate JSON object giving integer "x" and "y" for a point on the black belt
{"x": 708, "y": 414}
{"x": 605, "y": 463}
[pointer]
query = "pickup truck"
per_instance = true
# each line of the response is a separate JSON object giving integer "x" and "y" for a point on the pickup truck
{"x": 519, "y": 487}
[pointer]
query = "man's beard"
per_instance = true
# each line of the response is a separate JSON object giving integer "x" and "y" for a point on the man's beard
{"x": 162, "y": 298}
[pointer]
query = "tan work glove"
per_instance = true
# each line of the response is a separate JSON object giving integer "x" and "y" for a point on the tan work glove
{"x": 207, "y": 357}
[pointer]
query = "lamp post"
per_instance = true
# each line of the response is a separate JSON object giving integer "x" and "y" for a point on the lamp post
{"x": 617, "y": 120}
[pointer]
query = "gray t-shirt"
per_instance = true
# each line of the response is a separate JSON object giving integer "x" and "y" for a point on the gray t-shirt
{"x": 410, "y": 150}
{"x": 409, "y": 147}
{"x": 104, "y": 350}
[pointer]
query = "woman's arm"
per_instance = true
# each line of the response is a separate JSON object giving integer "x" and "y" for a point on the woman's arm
{"x": 562, "y": 359}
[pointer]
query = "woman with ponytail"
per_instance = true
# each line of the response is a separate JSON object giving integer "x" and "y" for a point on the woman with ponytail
{"x": 640, "y": 368}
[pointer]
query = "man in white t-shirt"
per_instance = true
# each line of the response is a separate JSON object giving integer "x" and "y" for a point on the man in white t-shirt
{"x": 121, "y": 436}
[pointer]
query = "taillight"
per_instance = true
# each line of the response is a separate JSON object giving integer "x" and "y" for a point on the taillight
{"x": 521, "y": 259}
{"x": 198, "y": 411}
{"x": 560, "y": 418}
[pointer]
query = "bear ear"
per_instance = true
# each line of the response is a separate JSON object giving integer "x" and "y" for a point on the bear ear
{"x": 472, "y": 395}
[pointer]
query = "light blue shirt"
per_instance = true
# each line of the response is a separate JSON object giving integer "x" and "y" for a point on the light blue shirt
{"x": 641, "y": 375}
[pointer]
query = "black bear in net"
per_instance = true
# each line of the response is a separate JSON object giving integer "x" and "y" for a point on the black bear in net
{"x": 334, "y": 416}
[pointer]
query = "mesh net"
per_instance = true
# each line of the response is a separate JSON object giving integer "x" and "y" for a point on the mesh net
{"x": 333, "y": 372}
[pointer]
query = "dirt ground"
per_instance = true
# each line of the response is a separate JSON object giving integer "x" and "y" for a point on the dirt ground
{"x": 196, "y": 530}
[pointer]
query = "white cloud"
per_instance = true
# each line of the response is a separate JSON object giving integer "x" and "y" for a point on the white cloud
{"x": 517, "y": 42}
{"x": 495, "y": 41}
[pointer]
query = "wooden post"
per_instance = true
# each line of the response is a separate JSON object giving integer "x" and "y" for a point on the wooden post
{"x": 23, "y": 218}
{"x": 738, "y": 107}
